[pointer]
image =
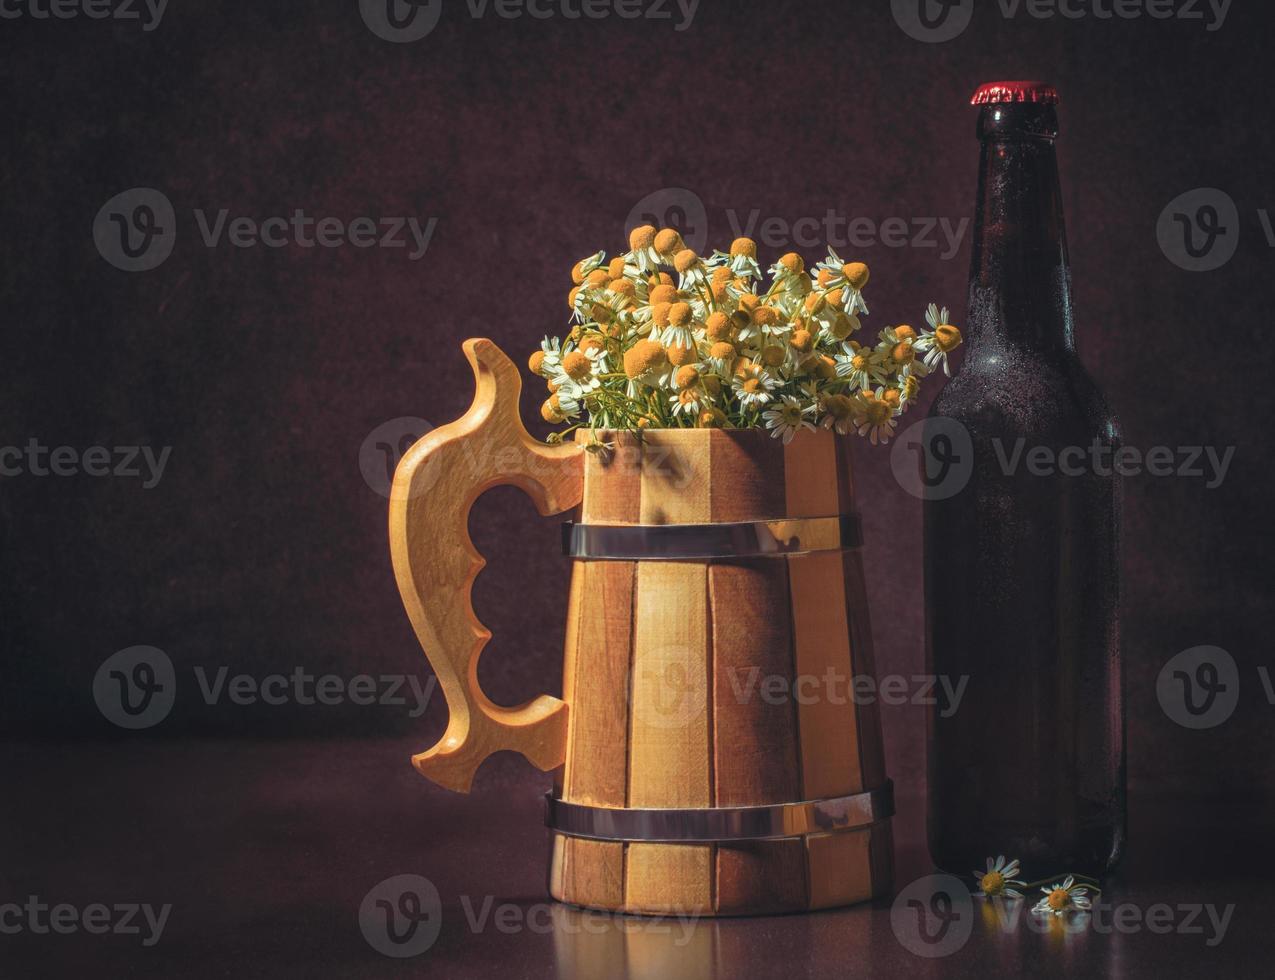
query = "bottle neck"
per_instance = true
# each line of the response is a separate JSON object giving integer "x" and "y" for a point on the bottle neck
{"x": 1020, "y": 279}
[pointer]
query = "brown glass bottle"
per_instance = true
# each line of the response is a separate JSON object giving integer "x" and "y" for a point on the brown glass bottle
{"x": 1021, "y": 562}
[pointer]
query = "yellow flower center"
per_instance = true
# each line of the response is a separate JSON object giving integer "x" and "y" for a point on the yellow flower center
{"x": 722, "y": 350}
{"x": 711, "y": 418}
{"x": 660, "y": 313}
{"x": 774, "y": 355}
{"x": 678, "y": 355}
{"x": 892, "y": 397}
{"x": 902, "y": 353}
{"x": 793, "y": 263}
{"x": 536, "y": 362}
{"x": 743, "y": 246}
{"x": 571, "y": 298}
{"x": 904, "y": 332}
{"x": 667, "y": 242}
{"x": 751, "y": 386}
{"x": 749, "y": 302}
{"x": 616, "y": 267}
{"x": 992, "y": 883}
{"x": 718, "y": 327}
{"x": 815, "y": 302}
{"x": 687, "y": 377}
{"x": 685, "y": 260}
{"x": 577, "y": 365}
{"x": 641, "y": 237}
{"x": 825, "y": 277}
{"x": 591, "y": 343}
{"x": 765, "y": 316}
{"x": 802, "y": 341}
{"x": 550, "y": 411}
{"x": 875, "y": 410}
{"x": 679, "y": 314}
{"x": 722, "y": 275}
{"x": 598, "y": 278}
{"x": 577, "y": 272}
{"x": 843, "y": 326}
{"x": 1058, "y": 899}
{"x": 947, "y": 337}
{"x": 688, "y": 398}
{"x": 838, "y": 406}
{"x": 856, "y": 274}
{"x": 622, "y": 286}
{"x": 642, "y": 357}
{"x": 663, "y": 294}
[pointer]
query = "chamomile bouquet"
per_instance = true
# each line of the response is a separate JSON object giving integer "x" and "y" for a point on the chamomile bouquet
{"x": 662, "y": 337}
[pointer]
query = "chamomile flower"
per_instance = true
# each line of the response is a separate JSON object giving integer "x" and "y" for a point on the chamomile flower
{"x": 1064, "y": 897}
{"x": 788, "y": 417}
{"x": 862, "y": 367}
{"x": 681, "y": 327}
{"x": 874, "y": 416}
{"x": 834, "y": 273}
{"x": 642, "y": 255}
{"x": 838, "y": 414}
{"x": 578, "y": 373}
{"x": 752, "y": 385}
{"x": 897, "y": 349}
{"x": 789, "y": 275}
{"x": 580, "y": 271}
{"x": 545, "y": 361}
{"x": 688, "y": 401}
{"x": 691, "y": 268}
{"x": 743, "y": 258}
{"x": 997, "y": 880}
{"x": 940, "y": 340}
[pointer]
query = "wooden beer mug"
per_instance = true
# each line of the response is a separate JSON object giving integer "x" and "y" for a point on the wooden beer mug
{"x": 709, "y": 757}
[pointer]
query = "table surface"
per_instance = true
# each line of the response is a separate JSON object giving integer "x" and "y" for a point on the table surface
{"x": 266, "y": 850}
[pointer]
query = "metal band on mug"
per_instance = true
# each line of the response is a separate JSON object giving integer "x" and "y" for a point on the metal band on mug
{"x": 733, "y": 823}
{"x": 744, "y": 539}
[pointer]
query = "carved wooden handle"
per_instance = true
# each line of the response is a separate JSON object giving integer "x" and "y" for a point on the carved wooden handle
{"x": 435, "y": 564}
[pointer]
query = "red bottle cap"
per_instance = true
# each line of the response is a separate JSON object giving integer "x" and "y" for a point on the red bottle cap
{"x": 997, "y": 92}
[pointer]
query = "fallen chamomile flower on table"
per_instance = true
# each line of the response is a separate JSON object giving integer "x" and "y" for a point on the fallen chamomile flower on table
{"x": 662, "y": 337}
{"x": 1063, "y": 898}
{"x": 998, "y": 879}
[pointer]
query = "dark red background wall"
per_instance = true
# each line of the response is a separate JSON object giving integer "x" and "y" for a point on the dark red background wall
{"x": 263, "y": 548}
